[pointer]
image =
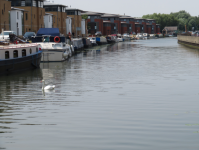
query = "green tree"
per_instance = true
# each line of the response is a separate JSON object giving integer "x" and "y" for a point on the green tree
{"x": 85, "y": 17}
{"x": 163, "y": 19}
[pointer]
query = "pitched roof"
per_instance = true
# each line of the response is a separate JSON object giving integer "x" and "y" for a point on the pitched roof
{"x": 53, "y": 4}
{"x": 171, "y": 28}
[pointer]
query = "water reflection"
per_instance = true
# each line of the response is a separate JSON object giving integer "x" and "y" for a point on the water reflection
{"x": 123, "y": 96}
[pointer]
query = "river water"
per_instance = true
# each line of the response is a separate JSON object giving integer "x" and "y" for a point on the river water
{"x": 141, "y": 95}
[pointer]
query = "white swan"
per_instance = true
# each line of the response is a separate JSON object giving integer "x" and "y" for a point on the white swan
{"x": 48, "y": 87}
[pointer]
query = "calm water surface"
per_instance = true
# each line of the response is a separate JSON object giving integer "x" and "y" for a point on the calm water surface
{"x": 140, "y": 95}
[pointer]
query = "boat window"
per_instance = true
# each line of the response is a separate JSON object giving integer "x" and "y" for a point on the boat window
{"x": 30, "y": 51}
{"x": 15, "y": 53}
{"x": 23, "y": 52}
{"x": 7, "y": 56}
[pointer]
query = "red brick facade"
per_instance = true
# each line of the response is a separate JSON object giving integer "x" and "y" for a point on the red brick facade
{"x": 107, "y": 30}
{"x": 137, "y": 30}
{"x": 118, "y": 26}
{"x": 154, "y": 24}
{"x": 145, "y": 28}
{"x": 149, "y": 29}
{"x": 133, "y": 26}
{"x": 100, "y": 24}
{"x": 124, "y": 30}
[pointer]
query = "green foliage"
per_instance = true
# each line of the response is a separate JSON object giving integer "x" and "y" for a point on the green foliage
{"x": 179, "y": 19}
{"x": 85, "y": 17}
{"x": 163, "y": 19}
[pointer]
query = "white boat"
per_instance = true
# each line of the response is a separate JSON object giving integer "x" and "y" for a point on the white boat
{"x": 145, "y": 36}
{"x": 53, "y": 52}
{"x": 93, "y": 41}
{"x": 119, "y": 38}
{"x": 53, "y": 45}
{"x": 139, "y": 36}
{"x": 126, "y": 36}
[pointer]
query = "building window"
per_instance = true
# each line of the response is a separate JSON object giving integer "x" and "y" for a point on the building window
{"x": 15, "y": 53}
{"x": 28, "y": 2}
{"x": 42, "y": 4}
{"x": 17, "y": 15}
{"x": 34, "y": 3}
{"x": 26, "y": 16}
{"x": 49, "y": 18}
{"x": 4, "y": 7}
{"x": 58, "y": 8}
{"x": 23, "y": 3}
{"x": 2, "y": 11}
{"x": 70, "y": 12}
{"x": 23, "y": 53}
{"x": 89, "y": 17}
{"x": 30, "y": 51}
{"x": 7, "y": 56}
{"x": 108, "y": 18}
{"x": 39, "y": 4}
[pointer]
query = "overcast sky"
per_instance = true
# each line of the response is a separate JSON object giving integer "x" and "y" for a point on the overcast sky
{"x": 134, "y": 8}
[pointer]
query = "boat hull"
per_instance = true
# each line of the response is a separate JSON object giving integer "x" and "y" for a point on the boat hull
{"x": 54, "y": 55}
{"x": 20, "y": 64}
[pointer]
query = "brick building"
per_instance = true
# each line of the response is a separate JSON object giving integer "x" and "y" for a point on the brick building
{"x": 33, "y": 15}
{"x": 59, "y": 15}
{"x": 114, "y": 21}
{"x": 94, "y": 22}
{"x": 5, "y": 7}
{"x": 76, "y": 17}
{"x": 128, "y": 22}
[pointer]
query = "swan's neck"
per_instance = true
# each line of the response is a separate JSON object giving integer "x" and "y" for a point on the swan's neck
{"x": 43, "y": 85}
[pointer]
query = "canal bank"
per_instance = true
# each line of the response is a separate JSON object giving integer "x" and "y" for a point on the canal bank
{"x": 189, "y": 41}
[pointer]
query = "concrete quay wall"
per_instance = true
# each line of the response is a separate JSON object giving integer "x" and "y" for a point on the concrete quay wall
{"x": 188, "y": 39}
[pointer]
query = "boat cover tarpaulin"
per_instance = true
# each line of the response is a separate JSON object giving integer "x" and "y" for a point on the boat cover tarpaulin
{"x": 48, "y": 31}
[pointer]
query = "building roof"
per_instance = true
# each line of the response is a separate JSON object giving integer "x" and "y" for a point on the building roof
{"x": 139, "y": 19}
{"x": 53, "y": 4}
{"x": 150, "y": 19}
{"x": 171, "y": 28}
{"x": 110, "y": 15}
{"x": 107, "y": 21}
{"x": 14, "y": 8}
{"x": 48, "y": 14}
{"x": 90, "y": 13}
{"x": 68, "y": 8}
{"x": 125, "y": 23}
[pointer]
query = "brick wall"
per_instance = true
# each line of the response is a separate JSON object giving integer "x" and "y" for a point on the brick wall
{"x": 105, "y": 30}
{"x": 154, "y": 27}
{"x": 149, "y": 29}
{"x": 5, "y": 7}
{"x": 118, "y": 25}
{"x": 100, "y": 22}
{"x": 145, "y": 28}
{"x": 124, "y": 30}
{"x": 133, "y": 25}
{"x": 137, "y": 29}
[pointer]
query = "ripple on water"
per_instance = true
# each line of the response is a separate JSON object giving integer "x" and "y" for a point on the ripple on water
{"x": 131, "y": 95}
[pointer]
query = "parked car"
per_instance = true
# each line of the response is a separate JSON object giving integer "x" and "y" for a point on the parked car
{"x": 5, "y": 34}
{"x": 98, "y": 33}
{"x": 28, "y": 35}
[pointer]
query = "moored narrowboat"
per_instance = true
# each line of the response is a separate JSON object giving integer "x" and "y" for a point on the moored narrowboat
{"x": 19, "y": 57}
